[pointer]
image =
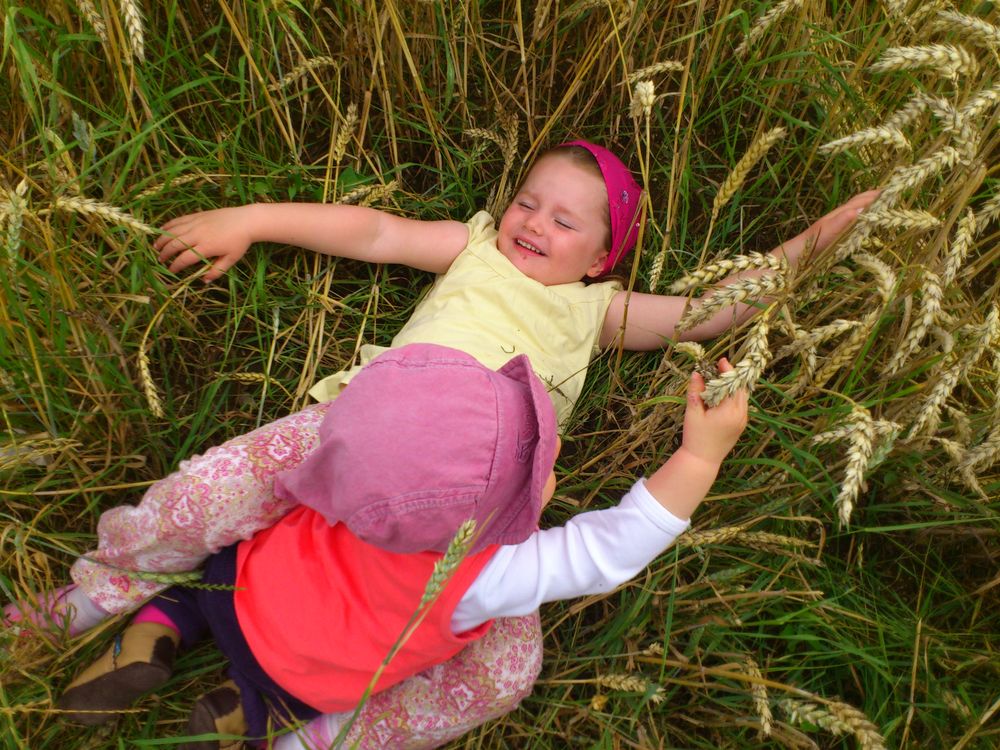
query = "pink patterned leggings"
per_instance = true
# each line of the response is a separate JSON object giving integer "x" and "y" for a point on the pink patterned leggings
{"x": 225, "y": 495}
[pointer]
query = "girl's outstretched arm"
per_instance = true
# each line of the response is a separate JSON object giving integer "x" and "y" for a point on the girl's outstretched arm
{"x": 651, "y": 319}
{"x": 223, "y": 236}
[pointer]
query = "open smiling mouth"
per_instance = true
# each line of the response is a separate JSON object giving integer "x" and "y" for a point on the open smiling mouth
{"x": 529, "y": 247}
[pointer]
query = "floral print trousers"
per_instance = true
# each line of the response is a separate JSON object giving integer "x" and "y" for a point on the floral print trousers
{"x": 225, "y": 495}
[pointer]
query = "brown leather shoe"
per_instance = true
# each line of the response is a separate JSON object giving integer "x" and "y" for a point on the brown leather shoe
{"x": 141, "y": 659}
{"x": 217, "y": 712}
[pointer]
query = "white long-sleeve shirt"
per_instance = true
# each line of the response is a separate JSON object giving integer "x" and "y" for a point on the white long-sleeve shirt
{"x": 592, "y": 553}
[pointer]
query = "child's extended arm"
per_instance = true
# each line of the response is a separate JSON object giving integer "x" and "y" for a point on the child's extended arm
{"x": 652, "y": 318}
{"x": 599, "y": 550}
{"x": 222, "y": 236}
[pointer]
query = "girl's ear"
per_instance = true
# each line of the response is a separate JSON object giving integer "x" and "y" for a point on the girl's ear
{"x": 598, "y": 268}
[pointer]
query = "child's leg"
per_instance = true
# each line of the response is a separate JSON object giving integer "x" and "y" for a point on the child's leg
{"x": 487, "y": 679}
{"x": 210, "y": 502}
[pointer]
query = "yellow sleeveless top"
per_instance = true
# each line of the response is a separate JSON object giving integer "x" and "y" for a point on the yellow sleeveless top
{"x": 486, "y": 307}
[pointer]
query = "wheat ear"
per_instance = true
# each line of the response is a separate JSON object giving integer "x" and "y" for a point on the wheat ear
{"x": 908, "y": 113}
{"x": 758, "y": 692}
{"x": 95, "y": 19}
{"x": 345, "y": 130}
{"x": 983, "y": 455}
{"x": 835, "y": 717}
{"x": 714, "y": 271}
{"x": 656, "y": 268}
{"x": 930, "y": 309}
{"x": 955, "y": 368}
{"x": 738, "y": 291}
{"x": 976, "y": 106}
{"x": 105, "y": 211}
{"x": 302, "y": 69}
{"x": 961, "y": 244}
{"x": 747, "y": 371}
{"x": 974, "y": 29}
{"x": 643, "y": 99}
{"x": 945, "y": 59}
{"x": 900, "y": 218}
{"x": 146, "y": 378}
{"x": 908, "y": 178}
{"x": 988, "y": 213}
{"x": 890, "y": 136}
{"x": 12, "y": 213}
{"x": 651, "y": 70}
{"x": 766, "y": 21}
{"x": 844, "y": 354}
{"x": 735, "y": 180}
{"x": 135, "y": 28}
{"x": 628, "y": 683}
{"x": 885, "y": 277}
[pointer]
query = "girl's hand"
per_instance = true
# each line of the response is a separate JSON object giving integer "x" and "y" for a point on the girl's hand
{"x": 829, "y": 227}
{"x": 710, "y": 433}
{"x": 221, "y": 236}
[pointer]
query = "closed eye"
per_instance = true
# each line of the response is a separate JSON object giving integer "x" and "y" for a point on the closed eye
{"x": 562, "y": 223}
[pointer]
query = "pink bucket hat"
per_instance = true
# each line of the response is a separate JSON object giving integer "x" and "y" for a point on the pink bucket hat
{"x": 624, "y": 201}
{"x": 425, "y": 437}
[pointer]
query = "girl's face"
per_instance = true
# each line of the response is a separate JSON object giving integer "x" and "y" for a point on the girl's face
{"x": 555, "y": 230}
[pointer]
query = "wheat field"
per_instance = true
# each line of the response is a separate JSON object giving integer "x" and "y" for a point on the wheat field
{"x": 839, "y": 588}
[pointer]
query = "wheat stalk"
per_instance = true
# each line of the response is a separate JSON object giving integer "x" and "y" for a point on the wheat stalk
{"x": 900, "y": 218}
{"x": 746, "y": 372}
{"x": 627, "y": 683}
{"x": 974, "y": 29}
{"x": 762, "y": 24}
{"x": 930, "y": 309}
{"x": 946, "y": 59}
{"x": 836, "y": 717}
{"x": 135, "y": 28}
{"x": 651, "y": 70}
{"x": 735, "y": 180}
{"x": 301, "y": 70}
{"x": 714, "y": 271}
{"x": 731, "y": 294}
{"x": 891, "y": 136}
{"x": 105, "y": 211}
{"x": 965, "y": 234}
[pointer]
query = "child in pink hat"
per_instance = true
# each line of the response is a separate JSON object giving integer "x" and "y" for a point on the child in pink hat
{"x": 535, "y": 283}
{"x": 307, "y": 610}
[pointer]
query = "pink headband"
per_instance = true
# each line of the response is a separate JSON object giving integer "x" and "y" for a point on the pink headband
{"x": 624, "y": 201}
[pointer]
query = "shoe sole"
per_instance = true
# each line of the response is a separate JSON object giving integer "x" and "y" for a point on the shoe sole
{"x": 96, "y": 702}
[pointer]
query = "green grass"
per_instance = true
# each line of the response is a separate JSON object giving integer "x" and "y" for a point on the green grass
{"x": 895, "y": 615}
